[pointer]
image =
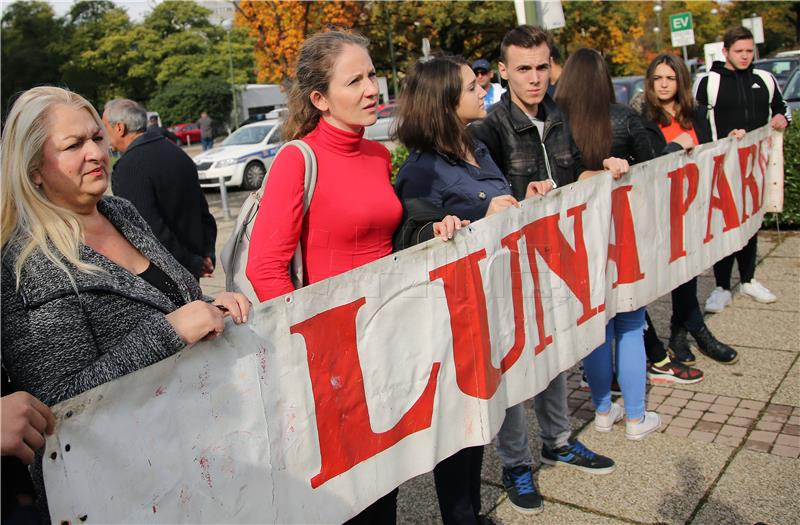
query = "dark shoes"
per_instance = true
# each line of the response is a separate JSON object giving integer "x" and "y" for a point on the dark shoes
{"x": 714, "y": 349}
{"x": 575, "y": 454}
{"x": 679, "y": 346}
{"x": 521, "y": 491}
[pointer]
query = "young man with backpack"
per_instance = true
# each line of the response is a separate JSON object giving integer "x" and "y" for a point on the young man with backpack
{"x": 739, "y": 99}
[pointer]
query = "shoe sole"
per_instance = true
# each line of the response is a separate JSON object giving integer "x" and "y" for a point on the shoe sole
{"x": 715, "y": 310}
{"x": 672, "y": 379}
{"x": 731, "y": 362}
{"x": 599, "y": 471}
{"x": 759, "y": 300}
{"x": 639, "y": 437}
{"x": 523, "y": 510}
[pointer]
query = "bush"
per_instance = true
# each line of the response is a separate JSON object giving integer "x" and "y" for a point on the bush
{"x": 182, "y": 100}
{"x": 399, "y": 156}
{"x": 790, "y": 218}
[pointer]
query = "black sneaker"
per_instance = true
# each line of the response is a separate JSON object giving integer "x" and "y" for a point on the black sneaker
{"x": 678, "y": 349}
{"x": 576, "y": 455}
{"x": 521, "y": 491}
{"x": 716, "y": 350}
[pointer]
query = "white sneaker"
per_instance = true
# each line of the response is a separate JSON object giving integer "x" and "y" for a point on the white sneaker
{"x": 605, "y": 422}
{"x": 758, "y": 291}
{"x": 637, "y": 430}
{"x": 718, "y": 300}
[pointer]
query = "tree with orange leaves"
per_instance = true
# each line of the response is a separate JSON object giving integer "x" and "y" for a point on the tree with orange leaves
{"x": 280, "y": 27}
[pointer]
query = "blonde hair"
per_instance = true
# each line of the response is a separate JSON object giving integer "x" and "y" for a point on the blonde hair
{"x": 28, "y": 217}
{"x": 313, "y": 73}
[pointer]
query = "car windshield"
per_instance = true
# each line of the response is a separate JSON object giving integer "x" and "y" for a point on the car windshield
{"x": 248, "y": 135}
{"x": 792, "y": 91}
{"x": 777, "y": 67}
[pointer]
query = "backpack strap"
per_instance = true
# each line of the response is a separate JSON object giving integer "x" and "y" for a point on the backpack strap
{"x": 769, "y": 81}
{"x": 712, "y": 90}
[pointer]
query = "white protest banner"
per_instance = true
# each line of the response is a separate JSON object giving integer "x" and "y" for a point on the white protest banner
{"x": 335, "y": 394}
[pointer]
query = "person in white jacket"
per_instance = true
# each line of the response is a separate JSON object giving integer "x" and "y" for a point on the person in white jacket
{"x": 484, "y": 74}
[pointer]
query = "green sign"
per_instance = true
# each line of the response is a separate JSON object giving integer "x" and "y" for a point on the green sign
{"x": 680, "y": 22}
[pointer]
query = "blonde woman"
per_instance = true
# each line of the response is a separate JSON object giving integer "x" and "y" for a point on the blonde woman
{"x": 88, "y": 293}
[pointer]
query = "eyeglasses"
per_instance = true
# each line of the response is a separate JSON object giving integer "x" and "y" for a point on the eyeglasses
{"x": 481, "y": 72}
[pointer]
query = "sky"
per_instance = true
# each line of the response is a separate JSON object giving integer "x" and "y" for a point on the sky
{"x": 136, "y": 9}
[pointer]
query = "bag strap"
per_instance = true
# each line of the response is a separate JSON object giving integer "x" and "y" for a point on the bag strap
{"x": 712, "y": 90}
{"x": 769, "y": 81}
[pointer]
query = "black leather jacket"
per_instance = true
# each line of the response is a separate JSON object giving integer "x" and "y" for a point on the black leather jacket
{"x": 629, "y": 138}
{"x": 515, "y": 146}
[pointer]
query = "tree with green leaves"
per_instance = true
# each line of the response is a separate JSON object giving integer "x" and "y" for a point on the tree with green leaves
{"x": 182, "y": 100}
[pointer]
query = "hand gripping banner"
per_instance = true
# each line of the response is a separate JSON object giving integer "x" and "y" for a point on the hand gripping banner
{"x": 335, "y": 394}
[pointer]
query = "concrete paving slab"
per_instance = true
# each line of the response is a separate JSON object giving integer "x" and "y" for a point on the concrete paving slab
{"x": 755, "y": 488}
{"x": 787, "y": 293}
{"x": 778, "y": 269}
{"x": 417, "y": 502}
{"x": 658, "y": 480}
{"x": 789, "y": 391}
{"x": 789, "y": 245}
{"x": 757, "y": 328}
{"x": 755, "y": 376}
{"x": 554, "y": 514}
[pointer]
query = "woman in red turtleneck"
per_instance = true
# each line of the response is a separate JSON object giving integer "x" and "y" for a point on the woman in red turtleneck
{"x": 354, "y": 211}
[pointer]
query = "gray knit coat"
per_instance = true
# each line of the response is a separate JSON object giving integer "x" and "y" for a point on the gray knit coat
{"x": 57, "y": 343}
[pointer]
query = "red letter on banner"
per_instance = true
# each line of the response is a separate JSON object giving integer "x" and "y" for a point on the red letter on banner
{"x": 624, "y": 253}
{"x": 345, "y": 434}
{"x": 572, "y": 266}
{"x": 511, "y": 241}
{"x": 472, "y": 350}
{"x": 723, "y": 201}
{"x": 747, "y": 163}
{"x": 678, "y": 206}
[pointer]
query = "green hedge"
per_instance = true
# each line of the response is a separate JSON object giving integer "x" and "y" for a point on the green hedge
{"x": 399, "y": 156}
{"x": 790, "y": 218}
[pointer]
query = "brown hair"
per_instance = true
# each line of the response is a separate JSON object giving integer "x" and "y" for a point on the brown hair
{"x": 524, "y": 36}
{"x": 735, "y": 34}
{"x": 584, "y": 94}
{"x": 314, "y": 67}
{"x": 684, "y": 101}
{"x": 427, "y": 119}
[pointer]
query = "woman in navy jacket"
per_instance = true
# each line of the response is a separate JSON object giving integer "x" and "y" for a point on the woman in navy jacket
{"x": 447, "y": 177}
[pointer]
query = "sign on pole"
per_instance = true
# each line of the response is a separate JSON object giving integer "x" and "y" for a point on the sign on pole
{"x": 713, "y": 52}
{"x": 681, "y": 31}
{"x": 550, "y": 14}
{"x": 756, "y": 26}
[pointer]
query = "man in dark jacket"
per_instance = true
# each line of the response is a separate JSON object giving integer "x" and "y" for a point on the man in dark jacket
{"x": 746, "y": 99}
{"x": 531, "y": 144}
{"x": 161, "y": 181}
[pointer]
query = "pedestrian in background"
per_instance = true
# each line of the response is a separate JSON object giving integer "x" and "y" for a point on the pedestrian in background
{"x": 485, "y": 74}
{"x": 160, "y": 179}
{"x": 206, "y": 125}
{"x": 354, "y": 211}
{"x": 603, "y": 128}
{"x": 675, "y": 122}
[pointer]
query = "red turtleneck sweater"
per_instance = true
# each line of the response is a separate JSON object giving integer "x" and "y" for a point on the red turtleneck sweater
{"x": 350, "y": 222}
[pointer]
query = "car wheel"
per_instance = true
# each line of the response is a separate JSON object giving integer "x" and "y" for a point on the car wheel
{"x": 253, "y": 176}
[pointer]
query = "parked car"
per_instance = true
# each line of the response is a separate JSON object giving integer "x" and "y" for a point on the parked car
{"x": 242, "y": 159}
{"x": 791, "y": 94}
{"x": 625, "y": 88}
{"x": 275, "y": 114}
{"x": 779, "y": 67}
{"x": 384, "y": 126}
{"x": 187, "y": 133}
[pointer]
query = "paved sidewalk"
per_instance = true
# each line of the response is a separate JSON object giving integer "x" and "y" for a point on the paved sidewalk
{"x": 728, "y": 448}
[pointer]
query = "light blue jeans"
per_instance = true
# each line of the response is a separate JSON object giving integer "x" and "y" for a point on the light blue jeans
{"x": 627, "y": 328}
{"x": 552, "y": 413}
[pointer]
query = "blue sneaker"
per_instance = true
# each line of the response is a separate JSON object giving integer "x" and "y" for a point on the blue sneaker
{"x": 522, "y": 494}
{"x": 575, "y": 454}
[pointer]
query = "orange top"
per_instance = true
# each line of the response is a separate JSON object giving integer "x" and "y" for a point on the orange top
{"x": 674, "y": 129}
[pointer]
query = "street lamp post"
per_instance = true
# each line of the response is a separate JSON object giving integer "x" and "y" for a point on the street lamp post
{"x": 657, "y": 30}
{"x": 223, "y": 190}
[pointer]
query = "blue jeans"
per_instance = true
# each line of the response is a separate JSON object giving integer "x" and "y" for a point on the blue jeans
{"x": 207, "y": 143}
{"x": 627, "y": 328}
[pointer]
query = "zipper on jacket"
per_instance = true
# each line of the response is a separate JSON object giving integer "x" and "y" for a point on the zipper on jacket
{"x": 545, "y": 132}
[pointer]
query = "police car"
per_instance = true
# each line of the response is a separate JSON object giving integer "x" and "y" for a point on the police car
{"x": 243, "y": 158}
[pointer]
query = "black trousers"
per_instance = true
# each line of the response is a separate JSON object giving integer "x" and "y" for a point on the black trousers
{"x": 686, "y": 313}
{"x": 746, "y": 257}
{"x": 381, "y": 512}
{"x": 458, "y": 486}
